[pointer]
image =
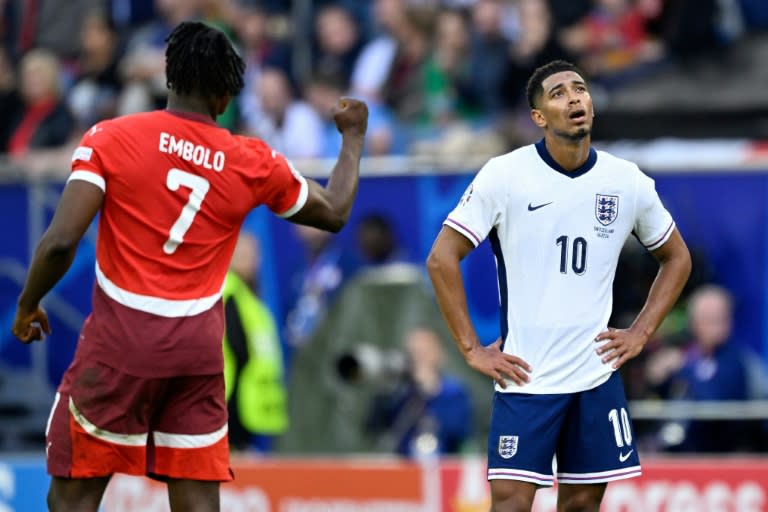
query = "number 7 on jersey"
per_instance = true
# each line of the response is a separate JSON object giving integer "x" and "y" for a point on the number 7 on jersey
{"x": 177, "y": 178}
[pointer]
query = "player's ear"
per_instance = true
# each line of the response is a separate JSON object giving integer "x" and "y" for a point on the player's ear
{"x": 538, "y": 118}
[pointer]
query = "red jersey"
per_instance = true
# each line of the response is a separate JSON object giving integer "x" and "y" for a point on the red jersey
{"x": 177, "y": 189}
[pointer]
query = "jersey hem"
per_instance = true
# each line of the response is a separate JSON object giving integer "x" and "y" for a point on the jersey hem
{"x": 512, "y": 388}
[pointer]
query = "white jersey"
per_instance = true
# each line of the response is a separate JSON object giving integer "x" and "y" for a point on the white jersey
{"x": 556, "y": 236}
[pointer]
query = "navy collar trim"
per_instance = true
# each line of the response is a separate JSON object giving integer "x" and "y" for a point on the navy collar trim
{"x": 541, "y": 148}
{"x": 192, "y": 116}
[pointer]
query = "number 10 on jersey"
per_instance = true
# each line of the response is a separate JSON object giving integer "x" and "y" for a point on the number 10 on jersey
{"x": 578, "y": 252}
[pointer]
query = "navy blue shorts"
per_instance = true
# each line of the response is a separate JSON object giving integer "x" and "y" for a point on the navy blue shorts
{"x": 589, "y": 433}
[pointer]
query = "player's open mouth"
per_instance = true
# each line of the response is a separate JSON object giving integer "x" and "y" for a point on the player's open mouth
{"x": 578, "y": 115}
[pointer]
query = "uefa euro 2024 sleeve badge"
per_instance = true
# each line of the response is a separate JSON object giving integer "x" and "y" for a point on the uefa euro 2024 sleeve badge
{"x": 606, "y": 208}
{"x": 507, "y": 446}
{"x": 467, "y": 195}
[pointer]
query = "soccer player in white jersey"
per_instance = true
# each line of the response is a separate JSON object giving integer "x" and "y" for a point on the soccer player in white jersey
{"x": 557, "y": 214}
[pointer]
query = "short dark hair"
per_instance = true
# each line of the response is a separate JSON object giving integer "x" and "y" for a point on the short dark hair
{"x": 201, "y": 60}
{"x": 534, "y": 89}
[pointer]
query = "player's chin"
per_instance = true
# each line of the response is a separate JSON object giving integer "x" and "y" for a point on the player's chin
{"x": 578, "y": 133}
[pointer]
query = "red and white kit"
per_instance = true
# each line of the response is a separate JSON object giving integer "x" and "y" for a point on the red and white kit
{"x": 145, "y": 392}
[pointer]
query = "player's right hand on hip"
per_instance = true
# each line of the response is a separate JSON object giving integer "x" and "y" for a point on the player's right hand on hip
{"x": 351, "y": 116}
{"x": 491, "y": 361}
{"x": 31, "y": 325}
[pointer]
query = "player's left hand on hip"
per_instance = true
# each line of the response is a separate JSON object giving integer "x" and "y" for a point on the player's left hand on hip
{"x": 620, "y": 345}
{"x": 31, "y": 325}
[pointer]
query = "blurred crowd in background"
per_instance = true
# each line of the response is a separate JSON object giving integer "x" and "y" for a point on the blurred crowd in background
{"x": 438, "y": 75}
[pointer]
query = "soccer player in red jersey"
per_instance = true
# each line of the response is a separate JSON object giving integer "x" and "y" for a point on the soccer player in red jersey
{"x": 144, "y": 394}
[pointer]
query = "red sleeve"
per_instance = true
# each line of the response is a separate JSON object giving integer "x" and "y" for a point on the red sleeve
{"x": 86, "y": 160}
{"x": 280, "y": 186}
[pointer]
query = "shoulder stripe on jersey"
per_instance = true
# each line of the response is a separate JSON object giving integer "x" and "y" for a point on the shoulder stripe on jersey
{"x": 300, "y": 201}
{"x": 464, "y": 230}
{"x": 155, "y": 305}
{"x": 188, "y": 440}
{"x": 90, "y": 177}
{"x": 663, "y": 238}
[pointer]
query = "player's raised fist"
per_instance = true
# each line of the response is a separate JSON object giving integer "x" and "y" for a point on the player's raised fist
{"x": 351, "y": 116}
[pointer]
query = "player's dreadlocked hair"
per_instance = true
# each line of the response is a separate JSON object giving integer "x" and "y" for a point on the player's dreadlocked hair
{"x": 201, "y": 60}
{"x": 534, "y": 89}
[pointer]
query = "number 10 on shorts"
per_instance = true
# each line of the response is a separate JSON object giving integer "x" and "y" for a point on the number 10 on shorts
{"x": 622, "y": 430}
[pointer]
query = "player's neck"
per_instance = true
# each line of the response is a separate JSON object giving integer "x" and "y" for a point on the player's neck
{"x": 570, "y": 155}
{"x": 189, "y": 104}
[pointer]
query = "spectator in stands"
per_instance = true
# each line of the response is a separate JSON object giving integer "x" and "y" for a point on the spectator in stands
{"x": 289, "y": 125}
{"x": 490, "y": 42}
{"x": 403, "y": 89}
{"x": 690, "y": 28}
{"x": 142, "y": 69}
{"x": 97, "y": 81}
{"x": 9, "y": 97}
{"x": 129, "y": 14}
{"x": 377, "y": 241}
{"x": 427, "y": 411}
{"x": 222, "y": 15}
{"x": 446, "y": 73}
{"x": 566, "y": 13}
{"x": 322, "y": 92}
{"x": 52, "y": 25}
{"x": 389, "y": 69}
{"x": 253, "y": 359}
{"x": 260, "y": 50}
{"x": 44, "y": 121}
{"x": 535, "y": 44}
{"x": 612, "y": 41}
{"x": 372, "y": 67}
{"x": 324, "y": 269}
{"x": 713, "y": 367}
{"x": 337, "y": 42}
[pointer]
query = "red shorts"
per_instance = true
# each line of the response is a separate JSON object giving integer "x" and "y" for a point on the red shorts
{"x": 104, "y": 421}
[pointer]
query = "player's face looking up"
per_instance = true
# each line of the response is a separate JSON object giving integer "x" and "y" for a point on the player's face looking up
{"x": 564, "y": 106}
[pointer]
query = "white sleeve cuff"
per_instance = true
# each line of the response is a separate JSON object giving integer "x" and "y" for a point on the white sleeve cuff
{"x": 464, "y": 230}
{"x": 300, "y": 201}
{"x": 661, "y": 240}
{"x": 90, "y": 177}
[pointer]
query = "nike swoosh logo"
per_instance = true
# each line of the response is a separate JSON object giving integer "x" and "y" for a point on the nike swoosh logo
{"x": 623, "y": 457}
{"x": 533, "y": 208}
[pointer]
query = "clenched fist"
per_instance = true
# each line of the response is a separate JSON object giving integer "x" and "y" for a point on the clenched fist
{"x": 351, "y": 116}
{"x": 31, "y": 324}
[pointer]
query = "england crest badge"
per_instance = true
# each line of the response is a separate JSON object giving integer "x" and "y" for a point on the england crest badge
{"x": 606, "y": 208}
{"x": 507, "y": 446}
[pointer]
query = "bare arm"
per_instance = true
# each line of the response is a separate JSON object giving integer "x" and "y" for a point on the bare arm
{"x": 445, "y": 272}
{"x": 79, "y": 204}
{"x": 674, "y": 269}
{"x": 328, "y": 207}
